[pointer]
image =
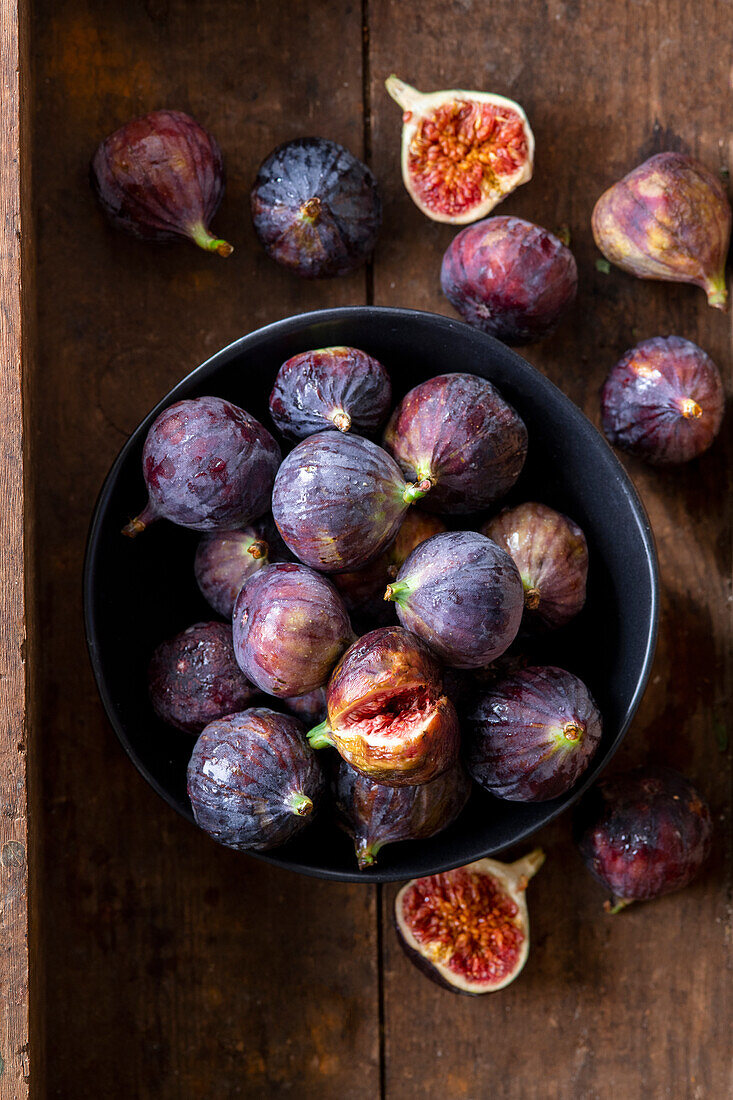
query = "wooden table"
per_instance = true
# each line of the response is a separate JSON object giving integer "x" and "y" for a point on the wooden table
{"x": 163, "y": 966}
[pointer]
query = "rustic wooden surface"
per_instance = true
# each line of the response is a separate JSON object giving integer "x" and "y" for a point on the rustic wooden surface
{"x": 174, "y": 969}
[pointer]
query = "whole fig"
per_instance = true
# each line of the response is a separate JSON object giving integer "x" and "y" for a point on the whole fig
{"x": 224, "y": 560}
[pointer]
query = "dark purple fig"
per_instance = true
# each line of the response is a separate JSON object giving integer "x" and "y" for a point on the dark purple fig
{"x": 290, "y": 628}
{"x": 387, "y": 714}
{"x": 509, "y": 278}
{"x": 341, "y": 388}
{"x": 463, "y": 595}
{"x": 339, "y": 499}
{"x": 310, "y": 708}
{"x": 207, "y": 465}
{"x": 316, "y": 208}
{"x": 253, "y": 781}
{"x": 224, "y": 561}
{"x": 644, "y": 833}
{"x": 456, "y": 432}
{"x": 551, "y": 554}
{"x": 375, "y": 815}
{"x": 532, "y": 734}
{"x": 415, "y": 528}
{"x": 664, "y": 401}
{"x": 160, "y": 177}
{"x": 194, "y": 678}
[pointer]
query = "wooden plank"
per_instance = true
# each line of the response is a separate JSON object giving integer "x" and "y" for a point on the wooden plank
{"x": 176, "y": 968}
{"x": 639, "y": 1004}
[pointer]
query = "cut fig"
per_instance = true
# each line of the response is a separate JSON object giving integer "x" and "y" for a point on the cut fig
{"x": 468, "y": 929}
{"x": 462, "y": 152}
{"x": 224, "y": 560}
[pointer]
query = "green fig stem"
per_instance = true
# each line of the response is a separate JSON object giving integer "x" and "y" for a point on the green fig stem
{"x": 417, "y": 491}
{"x": 258, "y": 549}
{"x": 311, "y": 210}
{"x": 396, "y": 590}
{"x": 320, "y": 737}
{"x": 300, "y": 804}
{"x": 617, "y": 905}
{"x": 341, "y": 420}
{"x": 201, "y": 236}
{"x": 366, "y": 854}
{"x": 717, "y": 292}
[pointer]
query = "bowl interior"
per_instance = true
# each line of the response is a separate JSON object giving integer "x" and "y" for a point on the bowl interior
{"x": 138, "y": 593}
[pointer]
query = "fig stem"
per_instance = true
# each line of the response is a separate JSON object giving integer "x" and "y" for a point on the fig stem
{"x": 531, "y": 598}
{"x": 417, "y": 491}
{"x": 258, "y": 549}
{"x": 341, "y": 420}
{"x": 404, "y": 95}
{"x": 617, "y": 905}
{"x": 572, "y": 732}
{"x": 311, "y": 210}
{"x": 394, "y": 591}
{"x": 717, "y": 292}
{"x": 529, "y": 865}
{"x": 320, "y": 737}
{"x": 139, "y": 523}
{"x": 365, "y": 854}
{"x": 300, "y": 804}
{"x": 201, "y": 236}
{"x": 690, "y": 409}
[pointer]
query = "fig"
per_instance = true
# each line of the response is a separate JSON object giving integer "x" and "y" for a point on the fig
{"x": 532, "y": 734}
{"x": 551, "y": 554}
{"x": 415, "y": 528}
{"x": 253, "y": 781}
{"x": 643, "y": 834}
{"x": 160, "y": 177}
{"x": 339, "y": 387}
{"x": 375, "y": 815}
{"x": 462, "y": 595}
{"x": 339, "y": 499}
{"x": 194, "y": 678}
{"x": 290, "y": 628}
{"x": 387, "y": 714}
{"x": 308, "y": 708}
{"x": 456, "y": 433}
{"x": 316, "y": 208}
{"x": 509, "y": 278}
{"x": 224, "y": 560}
{"x": 208, "y": 465}
{"x": 663, "y": 401}
{"x": 462, "y": 152}
{"x": 468, "y": 929}
{"x": 668, "y": 219}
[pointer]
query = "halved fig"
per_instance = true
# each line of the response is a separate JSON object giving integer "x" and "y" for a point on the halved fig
{"x": 462, "y": 152}
{"x": 468, "y": 929}
{"x": 387, "y": 714}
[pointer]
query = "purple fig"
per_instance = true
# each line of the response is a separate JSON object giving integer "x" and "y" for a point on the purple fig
{"x": 194, "y": 678}
{"x": 532, "y": 734}
{"x": 160, "y": 177}
{"x": 310, "y": 708}
{"x": 456, "y": 433}
{"x": 664, "y": 401}
{"x": 224, "y": 560}
{"x": 461, "y": 594}
{"x": 669, "y": 219}
{"x": 253, "y": 781}
{"x": 509, "y": 278}
{"x": 316, "y": 208}
{"x": 207, "y": 465}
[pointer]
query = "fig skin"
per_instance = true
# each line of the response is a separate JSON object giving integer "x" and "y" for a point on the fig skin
{"x": 208, "y": 465}
{"x": 375, "y": 815}
{"x": 309, "y": 708}
{"x": 457, "y": 432}
{"x": 194, "y": 678}
{"x": 532, "y": 734}
{"x": 663, "y": 402}
{"x": 160, "y": 177}
{"x": 643, "y": 833}
{"x": 462, "y": 594}
{"x": 315, "y": 208}
{"x": 668, "y": 219}
{"x": 387, "y": 716}
{"x": 338, "y": 500}
{"x": 253, "y": 781}
{"x": 338, "y": 387}
{"x": 224, "y": 561}
{"x": 509, "y": 278}
{"x": 289, "y": 629}
{"x": 551, "y": 554}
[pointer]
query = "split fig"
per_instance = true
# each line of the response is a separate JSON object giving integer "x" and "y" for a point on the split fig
{"x": 224, "y": 560}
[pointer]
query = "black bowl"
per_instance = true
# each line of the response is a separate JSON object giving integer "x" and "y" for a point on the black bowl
{"x": 138, "y": 593}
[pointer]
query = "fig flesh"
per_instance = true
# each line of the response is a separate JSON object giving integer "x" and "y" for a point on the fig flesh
{"x": 194, "y": 678}
{"x": 668, "y": 219}
{"x": 532, "y": 734}
{"x": 208, "y": 465}
{"x": 289, "y": 629}
{"x": 468, "y": 929}
{"x": 663, "y": 402}
{"x": 551, "y": 554}
{"x": 337, "y": 387}
{"x": 339, "y": 499}
{"x": 462, "y": 595}
{"x": 643, "y": 834}
{"x": 374, "y": 814}
{"x": 253, "y": 781}
{"x": 462, "y": 152}
{"x": 224, "y": 560}
{"x": 160, "y": 177}
{"x": 509, "y": 278}
{"x": 316, "y": 208}
{"x": 387, "y": 714}
{"x": 456, "y": 433}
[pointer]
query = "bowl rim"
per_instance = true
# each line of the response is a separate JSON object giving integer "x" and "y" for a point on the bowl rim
{"x": 250, "y": 341}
